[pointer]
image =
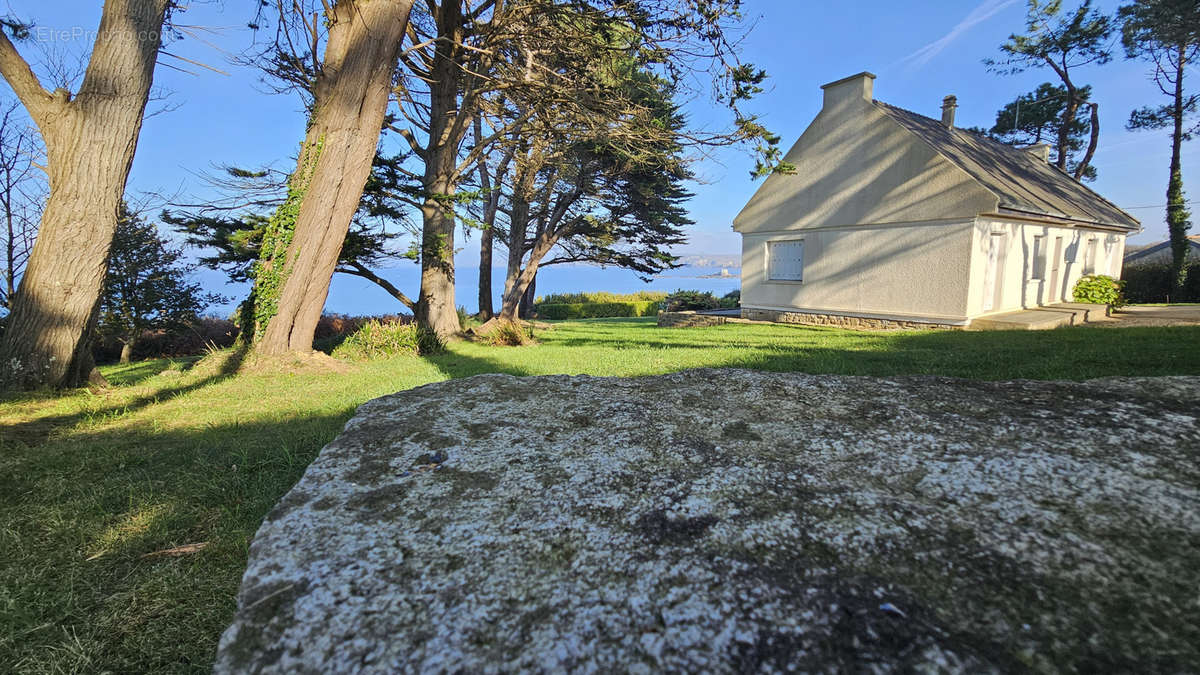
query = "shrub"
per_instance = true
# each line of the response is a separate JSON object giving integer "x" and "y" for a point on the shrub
{"x": 508, "y": 334}
{"x": 1099, "y": 289}
{"x": 600, "y": 296}
{"x": 731, "y": 300}
{"x": 682, "y": 301}
{"x": 465, "y": 320}
{"x": 1152, "y": 282}
{"x": 194, "y": 338}
{"x": 383, "y": 339}
{"x": 596, "y": 310}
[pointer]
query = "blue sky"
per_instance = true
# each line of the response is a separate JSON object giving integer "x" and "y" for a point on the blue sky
{"x": 921, "y": 51}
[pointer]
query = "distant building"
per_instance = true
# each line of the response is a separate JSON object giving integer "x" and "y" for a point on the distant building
{"x": 1161, "y": 252}
{"x": 892, "y": 216}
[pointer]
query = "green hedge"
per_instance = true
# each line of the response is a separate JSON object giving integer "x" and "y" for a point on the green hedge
{"x": 595, "y": 310}
{"x": 1151, "y": 282}
{"x": 599, "y": 296}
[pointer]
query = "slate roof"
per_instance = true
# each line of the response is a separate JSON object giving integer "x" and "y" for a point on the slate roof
{"x": 1023, "y": 183}
{"x": 1163, "y": 249}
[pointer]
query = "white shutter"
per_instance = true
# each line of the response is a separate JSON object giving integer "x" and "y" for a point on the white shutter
{"x": 1039, "y": 258}
{"x": 785, "y": 260}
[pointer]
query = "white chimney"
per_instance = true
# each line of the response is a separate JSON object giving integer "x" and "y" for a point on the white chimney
{"x": 1039, "y": 150}
{"x": 856, "y": 88}
{"x": 949, "y": 104}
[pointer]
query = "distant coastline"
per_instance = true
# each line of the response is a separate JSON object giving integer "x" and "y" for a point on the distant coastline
{"x": 730, "y": 261}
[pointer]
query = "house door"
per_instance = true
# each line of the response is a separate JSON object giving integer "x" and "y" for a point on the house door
{"x": 1055, "y": 263}
{"x": 992, "y": 282}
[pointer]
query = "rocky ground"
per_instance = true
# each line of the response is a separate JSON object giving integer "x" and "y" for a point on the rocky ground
{"x": 723, "y": 521}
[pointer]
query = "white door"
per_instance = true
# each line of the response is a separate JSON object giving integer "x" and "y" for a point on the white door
{"x": 991, "y": 274}
{"x": 1054, "y": 268}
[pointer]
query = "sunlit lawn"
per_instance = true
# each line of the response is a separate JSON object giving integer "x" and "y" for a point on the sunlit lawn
{"x": 93, "y": 485}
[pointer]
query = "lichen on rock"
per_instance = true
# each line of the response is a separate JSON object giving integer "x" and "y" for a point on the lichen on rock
{"x": 726, "y": 520}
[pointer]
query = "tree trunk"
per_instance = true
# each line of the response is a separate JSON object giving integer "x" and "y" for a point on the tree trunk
{"x": 127, "y": 351}
{"x": 515, "y": 289}
{"x": 90, "y": 141}
{"x": 435, "y": 307}
{"x": 1081, "y": 169}
{"x": 1177, "y": 213}
{"x": 526, "y": 310}
{"x": 1064, "y": 131}
{"x": 485, "y": 274}
{"x": 351, "y": 96}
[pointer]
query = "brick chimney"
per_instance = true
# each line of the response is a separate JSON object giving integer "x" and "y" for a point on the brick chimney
{"x": 949, "y": 104}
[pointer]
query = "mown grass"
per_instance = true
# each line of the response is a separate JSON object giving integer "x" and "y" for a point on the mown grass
{"x": 92, "y": 485}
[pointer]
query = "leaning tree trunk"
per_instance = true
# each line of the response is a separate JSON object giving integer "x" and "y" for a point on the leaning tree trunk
{"x": 1093, "y": 140}
{"x": 516, "y": 288}
{"x": 90, "y": 141}
{"x": 351, "y": 96}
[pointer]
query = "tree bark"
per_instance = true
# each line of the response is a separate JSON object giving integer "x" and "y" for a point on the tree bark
{"x": 90, "y": 141}
{"x": 526, "y": 310}
{"x": 1081, "y": 169}
{"x": 435, "y": 307}
{"x": 350, "y": 97}
{"x": 1177, "y": 215}
{"x": 1064, "y": 131}
{"x": 127, "y": 351}
{"x": 485, "y": 275}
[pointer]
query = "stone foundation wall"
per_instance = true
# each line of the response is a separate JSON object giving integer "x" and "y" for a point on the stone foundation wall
{"x": 688, "y": 320}
{"x": 839, "y": 320}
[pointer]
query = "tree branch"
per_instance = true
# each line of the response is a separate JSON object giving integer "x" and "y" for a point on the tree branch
{"x": 24, "y": 83}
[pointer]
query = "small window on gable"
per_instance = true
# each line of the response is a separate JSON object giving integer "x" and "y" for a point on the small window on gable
{"x": 785, "y": 260}
{"x": 1039, "y": 258}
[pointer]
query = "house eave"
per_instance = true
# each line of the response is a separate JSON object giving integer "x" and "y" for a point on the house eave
{"x": 1058, "y": 219}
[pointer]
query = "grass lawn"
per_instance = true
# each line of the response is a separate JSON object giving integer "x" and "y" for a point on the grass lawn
{"x": 92, "y": 485}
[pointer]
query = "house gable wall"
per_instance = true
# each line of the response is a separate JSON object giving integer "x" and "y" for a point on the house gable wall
{"x": 902, "y": 271}
{"x": 855, "y": 166}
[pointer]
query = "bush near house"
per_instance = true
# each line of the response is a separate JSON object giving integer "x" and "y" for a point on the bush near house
{"x": 597, "y": 310}
{"x": 1152, "y": 282}
{"x": 1099, "y": 289}
{"x": 731, "y": 300}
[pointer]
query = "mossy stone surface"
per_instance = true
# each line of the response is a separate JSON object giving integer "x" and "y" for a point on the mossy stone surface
{"x": 738, "y": 521}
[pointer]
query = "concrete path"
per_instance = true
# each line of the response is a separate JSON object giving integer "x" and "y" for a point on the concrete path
{"x": 1145, "y": 315}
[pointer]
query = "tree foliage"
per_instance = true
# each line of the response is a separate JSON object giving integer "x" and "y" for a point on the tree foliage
{"x": 147, "y": 286}
{"x": 1167, "y": 33}
{"x": 1037, "y": 117}
{"x": 230, "y": 229}
{"x": 1063, "y": 42}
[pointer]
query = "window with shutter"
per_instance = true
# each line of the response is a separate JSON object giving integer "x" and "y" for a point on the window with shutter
{"x": 785, "y": 260}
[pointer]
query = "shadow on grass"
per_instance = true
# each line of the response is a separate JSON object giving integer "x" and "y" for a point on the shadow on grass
{"x": 123, "y": 375}
{"x": 1072, "y": 353}
{"x": 224, "y": 366}
{"x": 85, "y": 588}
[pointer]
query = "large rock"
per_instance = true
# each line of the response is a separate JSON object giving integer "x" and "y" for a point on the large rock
{"x": 725, "y": 520}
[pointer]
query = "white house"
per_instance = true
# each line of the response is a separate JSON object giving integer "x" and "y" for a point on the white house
{"x": 893, "y": 218}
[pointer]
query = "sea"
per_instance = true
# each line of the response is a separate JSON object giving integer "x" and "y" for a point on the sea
{"x": 354, "y": 296}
